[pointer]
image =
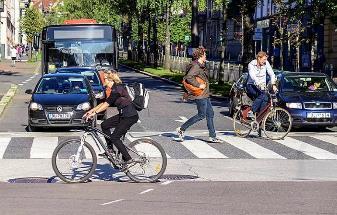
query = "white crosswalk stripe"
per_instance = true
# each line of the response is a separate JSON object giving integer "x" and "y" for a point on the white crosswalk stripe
{"x": 326, "y": 138}
{"x": 201, "y": 149}
{"x": 250, "y": 147}
{"x": 4, "y": 141}
{"x": 43, "y": 147}
{"x": 307, "y": 148}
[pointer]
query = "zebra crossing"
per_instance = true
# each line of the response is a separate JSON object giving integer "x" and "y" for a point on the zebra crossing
{"x": 300, "y": 147}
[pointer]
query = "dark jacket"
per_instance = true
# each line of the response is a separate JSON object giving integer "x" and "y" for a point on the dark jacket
{"x": 195, "y": 69}
{"x": 120, "y": 98}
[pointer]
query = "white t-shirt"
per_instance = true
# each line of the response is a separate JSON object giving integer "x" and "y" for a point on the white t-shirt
{"x": 13, "y": 52}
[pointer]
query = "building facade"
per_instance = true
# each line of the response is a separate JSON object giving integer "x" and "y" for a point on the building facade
{"x": 9, "y": 26}
{"x": 330, "y": 46}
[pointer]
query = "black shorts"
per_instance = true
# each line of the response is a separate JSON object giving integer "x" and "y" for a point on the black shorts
{"x": 13, "y": 58}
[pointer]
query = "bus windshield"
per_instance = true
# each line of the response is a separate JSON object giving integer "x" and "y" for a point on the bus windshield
{"x": 78, "y": 45}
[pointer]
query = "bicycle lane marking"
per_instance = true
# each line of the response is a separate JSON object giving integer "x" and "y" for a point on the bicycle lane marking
{"x": 146, "y": 191}
{"x": 115, "y": 201}
{"x": 306, "y": 148}
{"x": 250, "y": 147}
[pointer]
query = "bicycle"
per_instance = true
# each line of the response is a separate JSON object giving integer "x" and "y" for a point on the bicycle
{"x": 276, "y": 122}
{"x": 75, "y": 160}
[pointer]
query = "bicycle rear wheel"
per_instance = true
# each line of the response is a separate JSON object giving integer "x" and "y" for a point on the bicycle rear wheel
{"x": 150, "y": 161}
{"x": 74, "y": 163}
{"x": 241, "y": 125}
{"x": 277, "y": 123}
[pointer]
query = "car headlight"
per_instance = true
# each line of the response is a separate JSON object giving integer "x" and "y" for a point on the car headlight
{"x": 84, "y": 106}
{"x": 334, "y": 105}
{"x": 35, "y": 106}
{"x": 294, "y": 105}
{"x": 99, "y": 95}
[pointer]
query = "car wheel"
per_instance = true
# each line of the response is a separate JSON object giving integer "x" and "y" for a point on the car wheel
{"x": 32, "y": 128}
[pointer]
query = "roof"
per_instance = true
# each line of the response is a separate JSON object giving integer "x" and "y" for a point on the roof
{"x": 308, "y": 74}
{"x": 62, "y": 75}
{"x": 76, "y": 68}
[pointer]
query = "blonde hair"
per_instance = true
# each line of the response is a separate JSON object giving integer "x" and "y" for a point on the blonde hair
{"x": 113, "y": 76}
{"x": 261, "y": 54}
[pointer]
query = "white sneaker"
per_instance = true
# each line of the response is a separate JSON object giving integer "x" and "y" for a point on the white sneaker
{"x": 214, "y": 140}
{"x": 251, "y": 114}
{"x": 180, "y": 134}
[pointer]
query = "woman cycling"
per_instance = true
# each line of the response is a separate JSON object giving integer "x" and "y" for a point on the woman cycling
{"x": 122, "y": 122}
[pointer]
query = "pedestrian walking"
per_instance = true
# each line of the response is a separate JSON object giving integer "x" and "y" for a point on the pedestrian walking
{"x": 196, "y": 71}
{"x": 13, "y": 55}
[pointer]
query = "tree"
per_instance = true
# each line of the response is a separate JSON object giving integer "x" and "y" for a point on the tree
{"x": 32, "y": 24}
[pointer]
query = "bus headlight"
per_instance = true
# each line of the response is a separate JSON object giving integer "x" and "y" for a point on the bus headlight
{"x": 35, "y": 106}
{"x": 294, "y": 105}
{"x": 84, "y": 106}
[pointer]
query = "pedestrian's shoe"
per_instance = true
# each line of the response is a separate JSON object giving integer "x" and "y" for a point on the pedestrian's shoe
{"x": 214, "y": 140}
{"x": 180, "y": 134}
{"x": 251, "y": 115}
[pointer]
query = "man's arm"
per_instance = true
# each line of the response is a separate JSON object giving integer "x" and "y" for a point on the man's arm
{"x": 190, "y": 77}
{"x": 271, "y": 73}
{"x": 252, "y": 73}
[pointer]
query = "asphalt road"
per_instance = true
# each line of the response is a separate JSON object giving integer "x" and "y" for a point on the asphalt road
{"x": 170, "y": 198}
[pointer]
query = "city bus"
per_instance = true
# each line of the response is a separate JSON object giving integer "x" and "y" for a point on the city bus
{"x": 80, "y": 45}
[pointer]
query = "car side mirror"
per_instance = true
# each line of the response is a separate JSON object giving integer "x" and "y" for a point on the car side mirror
{"x": 29, "y": 91}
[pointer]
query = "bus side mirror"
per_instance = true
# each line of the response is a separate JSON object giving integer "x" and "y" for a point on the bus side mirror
{"x": 29, "y": 91}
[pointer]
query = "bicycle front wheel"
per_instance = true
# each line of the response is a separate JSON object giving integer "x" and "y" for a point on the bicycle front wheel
{"x": 73, "y": 162}
{"x": 150, "y": 161}
{"x": 277, "y": 123}
{"x": 241, "y": 125}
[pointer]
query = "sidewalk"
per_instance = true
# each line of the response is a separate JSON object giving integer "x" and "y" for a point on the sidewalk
{"x": 7, "y": 87}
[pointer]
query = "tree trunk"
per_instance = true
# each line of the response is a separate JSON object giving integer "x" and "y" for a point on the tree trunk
{"x": 148, "y": 48}
{"x": 30, "y": 53}
{"x": 223, "y": 42}
{"x": 194, "y": 24}
{"x": 155, "y": 40}
{"x": 248, "y": 48}
{"x": 140, "y": 37}
{"x": 168, "y": 37}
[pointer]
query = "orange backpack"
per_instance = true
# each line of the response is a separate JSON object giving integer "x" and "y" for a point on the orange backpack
{"x": 196, "y": 91}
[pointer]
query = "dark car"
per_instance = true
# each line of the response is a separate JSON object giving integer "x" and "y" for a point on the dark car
{"x": 93, "y": 76}
{"x": 310, "y": 98}
{"x": 60, "y": 100}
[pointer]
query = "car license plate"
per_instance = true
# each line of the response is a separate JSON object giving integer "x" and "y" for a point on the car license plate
{"x": 318, "y": 115}
{"x": 59, "y": 116}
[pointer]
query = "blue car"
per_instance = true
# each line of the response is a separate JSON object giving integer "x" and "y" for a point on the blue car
{"x": 60, "y": 100}
{"x": 93, "y": 77}
{"x": 310, "y": 98}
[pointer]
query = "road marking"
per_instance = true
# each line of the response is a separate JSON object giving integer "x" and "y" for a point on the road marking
{"x": 250, "y": 147}
{"x": 146, "y": 191}
{"x": 20, "y": 84}
{"x": 148, "y": 149}
{"x": 182, "y": 119}
{"x": 328, "y": 139}
{"x": 166, "y": 183}
{"x": 201, "y": 149}
{"x": 307, "y": 148}
{"x": 43, "y": 147}
{"x": 4, "y": 141}
{"x": 115, "y": 201}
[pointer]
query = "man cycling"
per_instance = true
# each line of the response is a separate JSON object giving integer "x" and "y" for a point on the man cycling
{"x": 257, "y": 82}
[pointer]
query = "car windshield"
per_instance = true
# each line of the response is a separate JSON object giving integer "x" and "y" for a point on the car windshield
{"x": 62, "y": 85}
{"x": 308, "y": 84}
{"x": 90, "y": 74}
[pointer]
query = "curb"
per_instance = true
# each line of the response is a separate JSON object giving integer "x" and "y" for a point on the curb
{"x": 217, "y": 97}
{"x": 37, "y": 69}
{"x": 7, "y": 97}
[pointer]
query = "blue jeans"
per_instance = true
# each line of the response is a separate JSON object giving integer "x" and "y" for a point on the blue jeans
{"x": 205, "y": 109}
{"x": 259, "y": 97}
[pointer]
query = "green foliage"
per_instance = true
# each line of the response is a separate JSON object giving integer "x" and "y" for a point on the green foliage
{"x": 32, "y": 23}
{"x": 180, "y": 27}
